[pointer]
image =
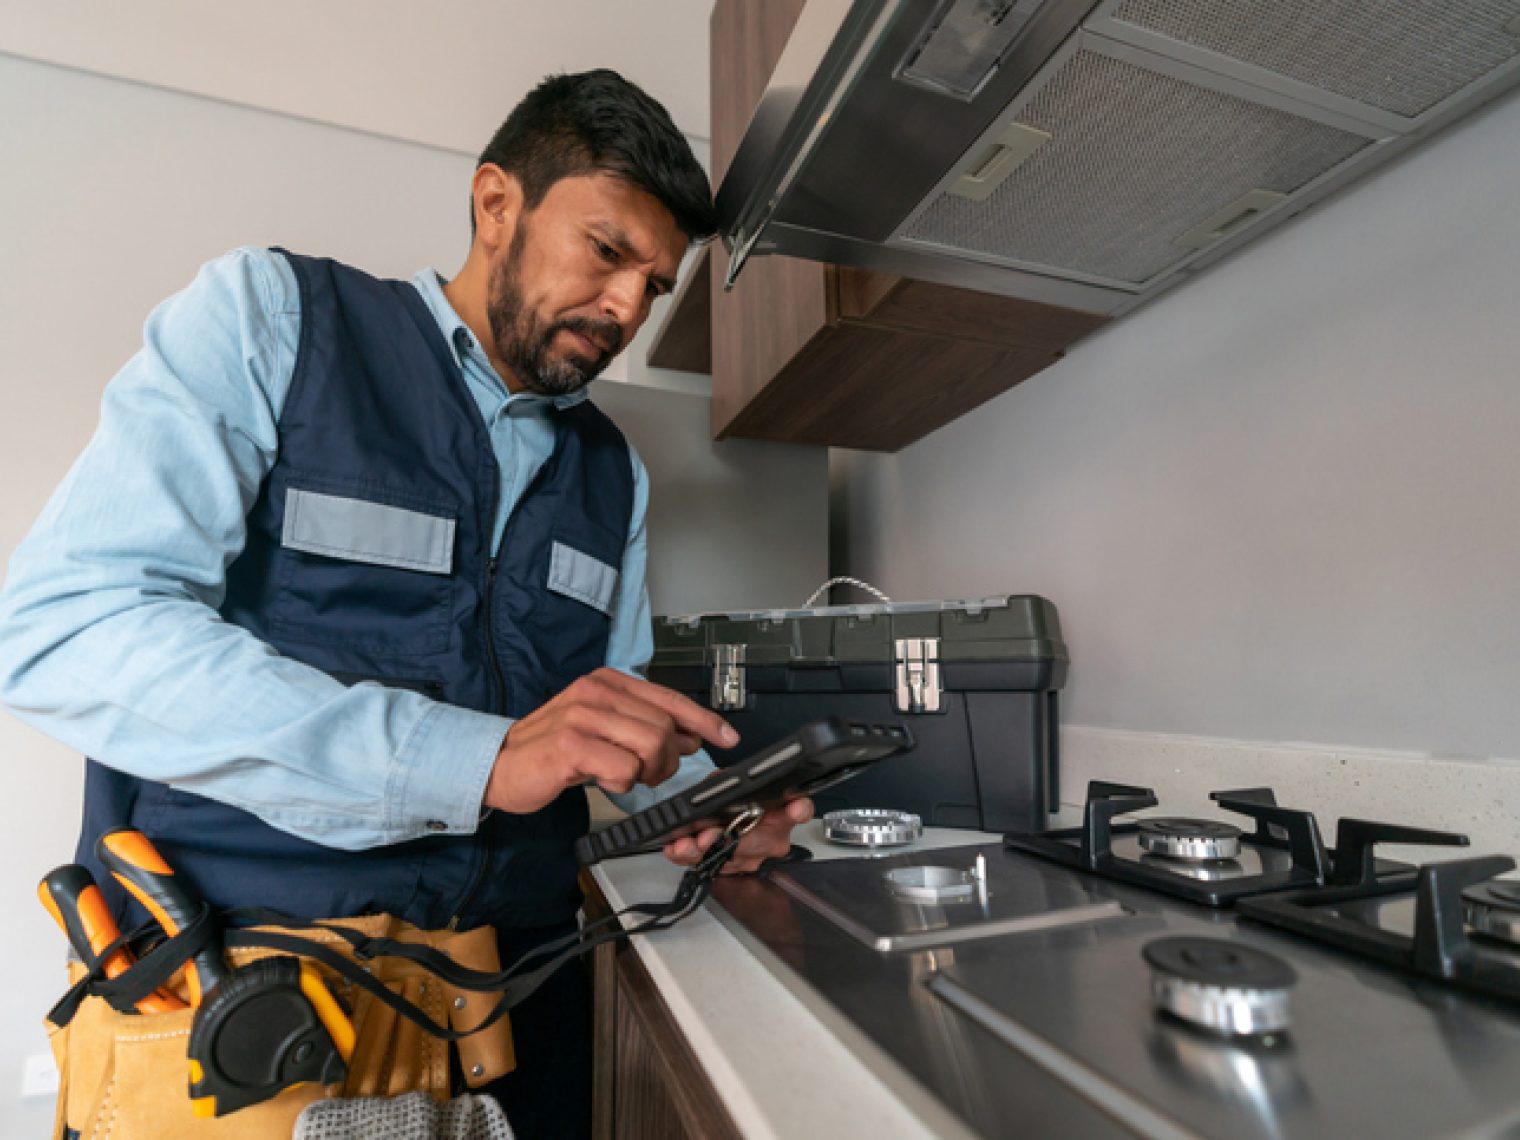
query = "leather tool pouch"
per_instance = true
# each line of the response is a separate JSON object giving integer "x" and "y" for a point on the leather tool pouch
{"x": 126, "y": 1075}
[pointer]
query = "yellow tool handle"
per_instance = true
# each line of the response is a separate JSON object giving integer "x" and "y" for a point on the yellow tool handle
{"x": 70, "y": 895}
{"x": 138, "y": 866}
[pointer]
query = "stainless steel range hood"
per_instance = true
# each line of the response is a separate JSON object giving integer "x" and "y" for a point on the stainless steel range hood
{"x": 1088, "y": 153}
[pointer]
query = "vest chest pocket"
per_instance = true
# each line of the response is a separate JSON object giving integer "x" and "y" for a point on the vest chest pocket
{"x": 584, "y": 577}
{"x": 579, "y": 598}
{"x": 375, "y": 576}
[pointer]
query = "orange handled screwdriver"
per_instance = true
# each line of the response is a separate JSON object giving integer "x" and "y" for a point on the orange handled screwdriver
{"x": 70, "y": 895}
{"x": 138, "y": 866}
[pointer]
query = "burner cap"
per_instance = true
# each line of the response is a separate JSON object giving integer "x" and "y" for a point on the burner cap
{"x": 1219, "y": 985}
{"x": 931, "y": 884}
{"x": 1179, "y": 838}
{"x": 1201, "y": 870}
{"x": 872, "y": 827}
{"x": 1493, "y": 908}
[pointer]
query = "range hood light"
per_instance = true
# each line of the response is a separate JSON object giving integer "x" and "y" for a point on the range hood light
{"x": 964, "y": 44}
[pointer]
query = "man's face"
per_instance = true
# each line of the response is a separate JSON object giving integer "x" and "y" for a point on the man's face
{"x": 577, "y": 280}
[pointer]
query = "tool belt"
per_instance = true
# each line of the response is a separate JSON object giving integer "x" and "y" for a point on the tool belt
{"x": 273, "y": 1012}
{"x": 123, "y": 1074}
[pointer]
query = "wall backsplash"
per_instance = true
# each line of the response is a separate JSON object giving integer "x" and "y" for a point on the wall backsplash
{"x": 1476, "y": 798}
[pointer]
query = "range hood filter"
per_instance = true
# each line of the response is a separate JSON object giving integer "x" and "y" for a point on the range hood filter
{"x": 1134, "y": 160}
{"x": 1400, "y": 56}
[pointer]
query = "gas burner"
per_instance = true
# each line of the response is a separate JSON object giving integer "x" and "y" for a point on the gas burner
{"x": 931, "y": 884}
{"x": 1220, "y": 986}
{"x": 872, "y": 827}
{"x": 1202, "y": 871}
{"x": 1191, "y": 840}
{"x": 1493, "y": 908}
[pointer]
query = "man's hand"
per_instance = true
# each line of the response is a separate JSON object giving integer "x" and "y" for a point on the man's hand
{"x": 607, "y": 728}
{"x": 771, "y": 838}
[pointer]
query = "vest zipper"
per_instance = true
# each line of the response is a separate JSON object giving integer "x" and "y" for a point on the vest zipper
{"x": 499, "y": 682}
{"x": 488, "y": 849}
{"x": 499, "y": 685}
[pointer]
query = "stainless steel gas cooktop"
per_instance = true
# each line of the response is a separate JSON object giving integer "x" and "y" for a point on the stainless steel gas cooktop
{"x": 1184, "y": 977}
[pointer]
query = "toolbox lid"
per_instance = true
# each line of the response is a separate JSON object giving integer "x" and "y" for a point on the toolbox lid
{"x": 1003, "y": 628}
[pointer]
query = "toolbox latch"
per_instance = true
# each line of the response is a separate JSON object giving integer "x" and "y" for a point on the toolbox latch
{"x": 728, "y": 677}
{"x": 918, "y": 688}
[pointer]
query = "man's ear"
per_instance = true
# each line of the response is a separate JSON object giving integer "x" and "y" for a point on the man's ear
{"x": 498, "y": 199}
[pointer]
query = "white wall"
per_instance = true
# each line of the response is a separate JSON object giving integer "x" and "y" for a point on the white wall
{"x": 112, "y": 195}
{"x": 1281, "y": 503}
{"x": 733, "y": 525}
{"x": 444, "y": 72}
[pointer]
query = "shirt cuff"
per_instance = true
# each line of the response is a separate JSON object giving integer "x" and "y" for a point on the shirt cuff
{"x": 693, "y": 770}
{"x": 441, "y": 773}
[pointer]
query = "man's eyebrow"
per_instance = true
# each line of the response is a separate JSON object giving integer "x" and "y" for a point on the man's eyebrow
{"x": 618, "y": 240}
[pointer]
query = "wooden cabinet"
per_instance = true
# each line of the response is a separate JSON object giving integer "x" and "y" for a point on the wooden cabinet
{"x": 649, "y": 1084}
{"x": 809, "y": 353}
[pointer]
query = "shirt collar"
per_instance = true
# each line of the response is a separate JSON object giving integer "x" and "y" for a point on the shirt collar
{"x": 429, "y": 283}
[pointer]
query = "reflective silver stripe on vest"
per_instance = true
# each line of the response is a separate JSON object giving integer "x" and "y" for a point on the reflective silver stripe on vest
{"x": 578, "y": 575}
{"x": 362, "y": 531}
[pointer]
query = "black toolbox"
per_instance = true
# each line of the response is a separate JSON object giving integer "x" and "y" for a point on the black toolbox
{"x": 975, "y": 681}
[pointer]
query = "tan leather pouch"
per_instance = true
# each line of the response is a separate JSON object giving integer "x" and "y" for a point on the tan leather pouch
{"x": 127, "y": 1076}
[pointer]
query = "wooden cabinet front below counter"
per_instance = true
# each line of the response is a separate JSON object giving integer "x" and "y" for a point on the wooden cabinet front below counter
{"x": 649, "y": 1084}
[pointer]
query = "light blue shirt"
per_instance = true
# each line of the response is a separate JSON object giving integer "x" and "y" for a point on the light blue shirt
{"x": 109, "y": 636}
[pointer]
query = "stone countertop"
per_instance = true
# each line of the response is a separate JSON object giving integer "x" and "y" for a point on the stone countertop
{"x": 785, "y": 1066}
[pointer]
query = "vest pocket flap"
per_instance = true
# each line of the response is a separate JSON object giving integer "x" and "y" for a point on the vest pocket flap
{"x": 580, "y": 576}
{"x": 364, "y": 531}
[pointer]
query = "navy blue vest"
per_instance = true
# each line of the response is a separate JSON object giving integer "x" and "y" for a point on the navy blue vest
{"x": 379, "y": 416}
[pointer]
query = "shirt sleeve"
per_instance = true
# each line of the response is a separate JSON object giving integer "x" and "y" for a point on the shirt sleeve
{"x": 110, "y": 640}
{"x": 631, "y": 644}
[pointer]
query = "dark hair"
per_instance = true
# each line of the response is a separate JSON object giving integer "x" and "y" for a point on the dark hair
{"x": 598, "y": 121}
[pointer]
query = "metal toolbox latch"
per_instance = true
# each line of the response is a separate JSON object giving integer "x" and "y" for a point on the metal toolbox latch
{"x": 728, "y": 677}
{"x": 918, "y": 688}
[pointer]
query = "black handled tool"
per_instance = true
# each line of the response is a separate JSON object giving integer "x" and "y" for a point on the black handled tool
{"x": 259, "y": 1029}
{"x": 138, "y": 866}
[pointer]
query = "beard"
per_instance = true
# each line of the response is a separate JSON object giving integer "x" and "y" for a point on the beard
{"x": 525, "y": 342}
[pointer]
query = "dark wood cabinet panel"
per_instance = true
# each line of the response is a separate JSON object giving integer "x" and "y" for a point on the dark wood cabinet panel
{"x": 748, "y": 37}
{"x": 881, "y": 301}
{"x": 648, "y": 1083}
{"x": 779, "y": 303}
{"x": 775, "y": 310}
{"x": 684, "y": 341}
{"x": 880, "y": 390}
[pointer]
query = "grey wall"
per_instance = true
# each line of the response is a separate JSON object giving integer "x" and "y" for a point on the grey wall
{"x": 1281, "y": 503}
{"x": 112, "y": 195}
{"x": 733, "y": 525}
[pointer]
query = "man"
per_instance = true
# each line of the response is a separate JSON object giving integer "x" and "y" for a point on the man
{"x": 346, "y": 596}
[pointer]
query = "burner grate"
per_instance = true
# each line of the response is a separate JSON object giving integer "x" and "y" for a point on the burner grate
{"x": 1439, "y": 945}
{"x": 1185, "y": 857}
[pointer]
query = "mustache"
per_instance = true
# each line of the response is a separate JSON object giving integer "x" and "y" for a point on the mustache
{"x": 608, "y": 334}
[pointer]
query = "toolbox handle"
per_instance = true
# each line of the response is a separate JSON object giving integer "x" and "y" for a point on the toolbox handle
{"x": 845, "y": 580}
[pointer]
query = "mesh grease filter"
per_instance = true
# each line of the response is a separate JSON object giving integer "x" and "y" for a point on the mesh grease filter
{"x": 1135, "y": 160}
{"x": 1403, "y": 56}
